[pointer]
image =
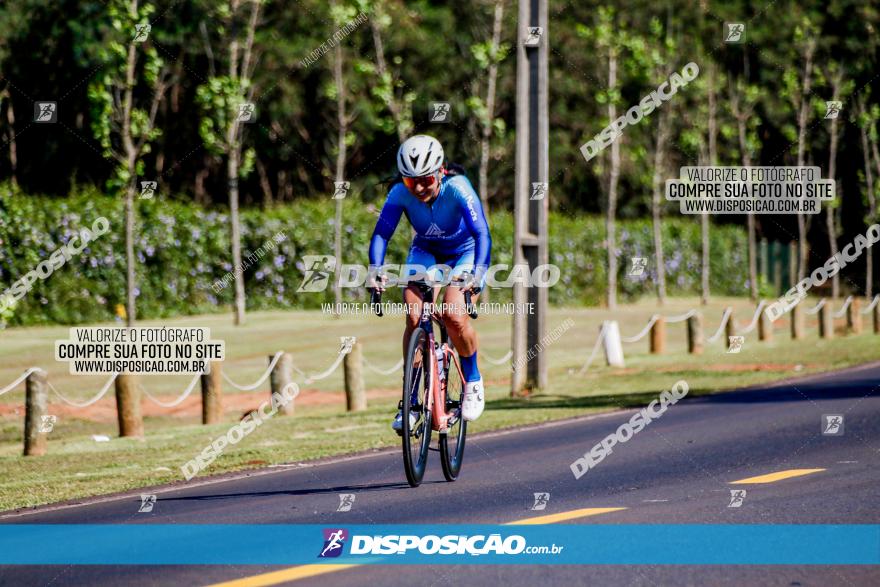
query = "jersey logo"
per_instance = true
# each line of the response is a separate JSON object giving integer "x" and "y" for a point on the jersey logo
{"x": 435, "y": 230}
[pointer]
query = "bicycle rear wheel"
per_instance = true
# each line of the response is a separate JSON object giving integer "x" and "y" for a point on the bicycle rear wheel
{"x": 416, "y": 387}
{"x": 452, "y": 442}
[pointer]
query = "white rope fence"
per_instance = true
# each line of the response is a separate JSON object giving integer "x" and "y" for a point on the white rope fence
{"x": 755, "y": 318}
{"x": 595, "y": 350}
{"x": 724, "y": 318}
{"x": 873, "y": 303}
{"x": 644, "y": 331}
{"x": 842, "y": 312}
{"x": 24, "y": 376}
{"x": 261, "y": 379}
{"x": 397, "y": 366}
{"x": 815, "y": 309}
{"x": 501, "y": 361}
{"x": 181, "y": 397}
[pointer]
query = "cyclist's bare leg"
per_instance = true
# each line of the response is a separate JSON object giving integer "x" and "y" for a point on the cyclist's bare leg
{"x": 457, "y": 321}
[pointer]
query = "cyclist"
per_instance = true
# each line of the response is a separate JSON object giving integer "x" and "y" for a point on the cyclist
{"x": 450, "y": 229}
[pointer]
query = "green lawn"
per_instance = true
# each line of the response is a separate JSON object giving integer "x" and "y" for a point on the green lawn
{"x": 77, "y": 466}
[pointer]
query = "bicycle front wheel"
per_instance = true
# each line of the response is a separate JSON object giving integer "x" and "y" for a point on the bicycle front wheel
{"x": 452, "y": 442}
{"x": 416, "y": 387}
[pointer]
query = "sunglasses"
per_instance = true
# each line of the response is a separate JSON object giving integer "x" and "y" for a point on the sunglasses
{"x": 426, "y": 181}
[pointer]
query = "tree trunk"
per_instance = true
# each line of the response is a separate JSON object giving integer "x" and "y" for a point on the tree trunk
{"x": 342, "y": 122}
{"x": 265, "y": 185}
{"x": 832, "y": 174}
{"x": 804, "y": 110}
{"x": 610, "y": 226}
{"x": 382, "y": 67}
{"x": 741, "y": 121}
{"x": 485, "y": 142}
{"x": 13, "y": 149}
{"x": 235, "y": 231}
{"x": 872, "y": 208}
{"x": 131, "y": 167}
{"x": 656, "y": 203}
{"x": 705, "y": 267}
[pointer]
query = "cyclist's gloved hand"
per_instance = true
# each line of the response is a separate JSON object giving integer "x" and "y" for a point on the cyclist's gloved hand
{"x": 376, "y": 281}
{"x": 468, "y": 282}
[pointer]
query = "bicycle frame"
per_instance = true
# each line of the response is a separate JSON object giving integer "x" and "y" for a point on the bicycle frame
{"x": 437, "y": 397}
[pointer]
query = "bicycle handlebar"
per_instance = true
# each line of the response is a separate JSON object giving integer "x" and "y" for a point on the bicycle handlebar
{"x": 376, "y": 302}
{"x": 469, "y": 306}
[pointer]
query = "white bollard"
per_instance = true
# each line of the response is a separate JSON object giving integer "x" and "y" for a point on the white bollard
{"x": 612, "y": 344}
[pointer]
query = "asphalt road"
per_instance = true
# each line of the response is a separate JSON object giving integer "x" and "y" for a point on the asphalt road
{"x": 680, "y": 469}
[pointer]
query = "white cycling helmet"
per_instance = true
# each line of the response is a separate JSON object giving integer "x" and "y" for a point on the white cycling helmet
{"x": 419, "y": 155}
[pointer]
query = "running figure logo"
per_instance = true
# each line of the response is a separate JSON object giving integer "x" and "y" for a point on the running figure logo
{"x": 45, "y": 112}
{"x": 736, "y": 343}
{"x": 141, "y": 32}
{"x": 246, "y": 112}
{"x": 539, "y": 190}
{"x": 533, "y": 36}
{"x": 148, "y": 189}
{"x": 147, "y": 503}
{"x": 832, "y": 109}
{"x": 736, "y": 498}
{"x": 541, "y": 501}
{"x": 832, "y": 424}
{"x": 334, "y": 541}
{"x": 346, "y": 500}
{"x": 47, "y": 423}
{"x": 340, "y": 189}
{"x": 347, "y": 343}
{"x": 318, "y": 269}
{"x": 735, "y": 32}
{"x": 639, "y": 264}
{"x": 439, "y": 111}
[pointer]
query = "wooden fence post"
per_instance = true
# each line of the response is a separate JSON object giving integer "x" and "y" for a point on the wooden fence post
{"x": 36, "y": 405}
{"x": 128, "y": 405}
{"x": 854, "y": 316}
{"x": 658, "y": 336}
{"x": 695, "y": 334}
{"x": 212, "y": 394}
{"x": 876, "y": 315}
{"x": 729, "y": 328}
{"x": 826, "y": 321}
{"x": 797, "y": 322}
{"x": 355, "y": 394}
{"x": 765, "y": 326}
{"x": 280, "y": 378}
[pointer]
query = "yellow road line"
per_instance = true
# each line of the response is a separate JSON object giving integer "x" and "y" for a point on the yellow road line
{"x": 303, "y": 571}
{"x": 771, "y": 477}
{"x": 562, "y": 516}
{"x": 291, "y": 574}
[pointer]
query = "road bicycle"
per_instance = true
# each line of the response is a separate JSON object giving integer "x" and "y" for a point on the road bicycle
{"x": 433, "y": 385}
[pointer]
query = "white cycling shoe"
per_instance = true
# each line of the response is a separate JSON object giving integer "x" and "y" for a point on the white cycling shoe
{"x": 474, "y": 400}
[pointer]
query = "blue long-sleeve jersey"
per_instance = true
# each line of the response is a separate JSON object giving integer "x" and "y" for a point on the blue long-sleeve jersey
{"x": 452, "y": 224}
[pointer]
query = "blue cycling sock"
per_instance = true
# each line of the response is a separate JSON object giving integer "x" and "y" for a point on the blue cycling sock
{"x": 469, "y": 367}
